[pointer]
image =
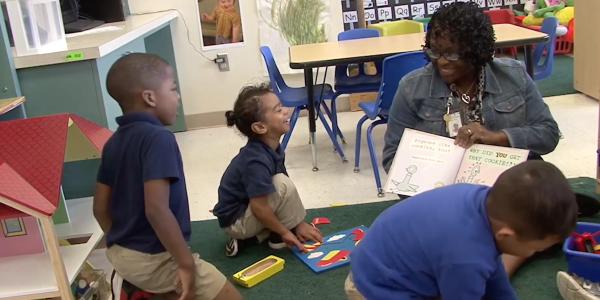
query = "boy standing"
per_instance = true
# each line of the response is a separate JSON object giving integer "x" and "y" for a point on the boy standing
{"x": 141, "y": 200}
{"x": 446, "y": 243}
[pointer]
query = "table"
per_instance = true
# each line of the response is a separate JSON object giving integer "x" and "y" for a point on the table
{"x": 9, "y": 104}
{"x": 334, "y": 53}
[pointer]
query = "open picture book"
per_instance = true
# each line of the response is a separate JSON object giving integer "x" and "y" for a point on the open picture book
{"x": 426, "y": 161}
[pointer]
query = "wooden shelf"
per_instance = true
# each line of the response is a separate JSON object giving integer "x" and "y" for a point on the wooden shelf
{"x": 31, "y": 276}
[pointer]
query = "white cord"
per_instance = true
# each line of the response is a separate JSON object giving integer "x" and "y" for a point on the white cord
{"x": 187, "y": 30}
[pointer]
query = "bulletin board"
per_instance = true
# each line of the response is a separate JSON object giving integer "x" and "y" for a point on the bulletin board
{"x": 375, "y": 11}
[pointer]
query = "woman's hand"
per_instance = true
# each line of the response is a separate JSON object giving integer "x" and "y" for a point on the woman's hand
{"x": 475, "y": 133}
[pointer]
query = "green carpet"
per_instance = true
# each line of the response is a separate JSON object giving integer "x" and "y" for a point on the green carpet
{"x": 561, "y": 80}
{"x": 536, "y": 280}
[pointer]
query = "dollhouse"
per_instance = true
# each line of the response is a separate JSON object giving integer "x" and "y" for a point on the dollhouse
{"x": 33, "y": 264}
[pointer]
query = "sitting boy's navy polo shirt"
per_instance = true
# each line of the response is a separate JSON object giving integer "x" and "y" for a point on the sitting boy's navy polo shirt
{"x": 141, "y": 149}
{"x": 437, "y": 244}
{"x": 250, "y": 174}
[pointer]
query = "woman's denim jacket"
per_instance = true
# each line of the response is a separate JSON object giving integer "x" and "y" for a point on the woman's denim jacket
{"x": 511, "y": 103}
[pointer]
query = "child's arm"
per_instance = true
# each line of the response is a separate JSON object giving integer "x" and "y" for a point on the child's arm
{"x": 264, "y": 213}
{"x": 162, "y": 220}
{"x": 102, "y": 206}
{"x": 212, "y": 17}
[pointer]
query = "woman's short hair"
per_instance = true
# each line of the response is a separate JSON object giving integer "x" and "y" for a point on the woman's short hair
{"x": 465, "y": 24}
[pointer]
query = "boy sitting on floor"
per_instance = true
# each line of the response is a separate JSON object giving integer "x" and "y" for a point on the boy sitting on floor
{"x": 446, "y": 243}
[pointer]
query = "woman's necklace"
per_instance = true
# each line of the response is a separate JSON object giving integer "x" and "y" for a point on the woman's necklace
{"x": 464, "y": 97}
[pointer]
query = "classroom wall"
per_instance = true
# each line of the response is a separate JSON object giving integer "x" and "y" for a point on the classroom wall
{"x": 206, "y": 93}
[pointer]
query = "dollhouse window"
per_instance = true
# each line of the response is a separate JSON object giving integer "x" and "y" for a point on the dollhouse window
{"x": 13, "y": 227}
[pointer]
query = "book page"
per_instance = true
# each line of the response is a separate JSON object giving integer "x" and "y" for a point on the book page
{"x": 482, "y": 164}
{"x": 423, "y": 162}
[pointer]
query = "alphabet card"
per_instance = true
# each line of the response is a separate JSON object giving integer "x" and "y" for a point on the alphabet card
{"x": 334, "y": 252}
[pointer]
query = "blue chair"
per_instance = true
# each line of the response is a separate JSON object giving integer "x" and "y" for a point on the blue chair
{"x": 394, "y": 68}
{"x": 298, "y": 99}
{"x": 543, "y": 53}
{"x": 357, "y": 84}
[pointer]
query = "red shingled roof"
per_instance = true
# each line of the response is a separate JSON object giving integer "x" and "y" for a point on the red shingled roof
{"x": 32, "y": 153}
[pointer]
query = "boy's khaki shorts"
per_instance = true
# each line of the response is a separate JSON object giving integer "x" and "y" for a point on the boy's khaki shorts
{"x": 287, "y": 207}
{"x": 157, "y": 273}
{"x": 351, "y": 292}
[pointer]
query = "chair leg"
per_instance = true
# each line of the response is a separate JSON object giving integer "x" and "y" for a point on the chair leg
{"x": 334, "y": 121}
{"x": 373, "y": 155}
{"x": 286, "y": 137}
{"x": 358, "y": 142}
{"x": 333, "y": 138}
{"x": 332, "y": 114}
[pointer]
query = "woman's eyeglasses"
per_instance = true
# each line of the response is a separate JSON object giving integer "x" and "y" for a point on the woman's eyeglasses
{"x": 436, "y": 55}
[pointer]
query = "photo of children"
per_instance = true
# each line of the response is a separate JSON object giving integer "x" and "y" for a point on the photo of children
{"x": 221, "y": 22}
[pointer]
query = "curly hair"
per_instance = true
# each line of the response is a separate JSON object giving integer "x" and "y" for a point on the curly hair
{"x": 247, "y": 108}
{"x": 466, "y": 25}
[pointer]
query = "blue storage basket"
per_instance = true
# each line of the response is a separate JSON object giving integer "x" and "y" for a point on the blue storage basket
{"x": 583, "y": 264}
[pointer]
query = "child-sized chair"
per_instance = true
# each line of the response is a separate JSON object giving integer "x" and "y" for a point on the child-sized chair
{"x": 503, "y": 16}
{"x": 345, "y": 84}
{"x": 394, "y": 68}
{"x": 543, "y": 53}
{"x": 298, "y": 99}
{"x": 398, "y": 27}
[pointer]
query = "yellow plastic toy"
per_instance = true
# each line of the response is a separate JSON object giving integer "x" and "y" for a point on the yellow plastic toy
{"x": 259, "y": 271}
{"x": 398, "y": 27}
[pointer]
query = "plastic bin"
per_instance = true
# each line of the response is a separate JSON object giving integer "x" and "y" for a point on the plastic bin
{"x": 583, "y": 264}
{"x": 36, "y": 26}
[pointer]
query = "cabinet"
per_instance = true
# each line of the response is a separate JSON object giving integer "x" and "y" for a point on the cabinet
{"x": 52, "y": 85}
{"x": 587, "y": 45}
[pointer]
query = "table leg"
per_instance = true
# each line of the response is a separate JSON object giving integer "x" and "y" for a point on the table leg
{"x": 529, "y": 60}
{"x": 308, "y": 81}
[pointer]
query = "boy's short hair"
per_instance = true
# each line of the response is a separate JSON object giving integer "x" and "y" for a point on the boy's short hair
{"x": 133, "y": 73}
{"x": 535, "y": 200}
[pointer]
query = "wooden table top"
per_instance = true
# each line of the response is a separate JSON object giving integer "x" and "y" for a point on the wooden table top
{"x": 333, "y": 53}
{"x": 8, "y": 104}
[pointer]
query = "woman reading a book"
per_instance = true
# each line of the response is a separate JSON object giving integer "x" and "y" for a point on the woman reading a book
{"x": 468, "y": 94}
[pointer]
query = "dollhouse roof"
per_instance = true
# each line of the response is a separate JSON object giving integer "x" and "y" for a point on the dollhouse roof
{"x": 32, "y": 155}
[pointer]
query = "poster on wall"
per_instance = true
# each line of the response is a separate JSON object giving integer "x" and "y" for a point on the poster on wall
{"x": 285, "y": 23}
{"x": 220, "y": 23}
{"x": 376, "y": 11}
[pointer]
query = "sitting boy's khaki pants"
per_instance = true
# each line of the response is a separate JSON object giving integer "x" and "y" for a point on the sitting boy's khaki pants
{"x": 157, "y": 273}
{"x": 351, "y": 292}
{"x": 286, "y": 205}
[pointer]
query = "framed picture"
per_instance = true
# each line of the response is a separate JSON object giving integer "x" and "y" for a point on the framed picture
{"x": 13, "y": 227}
{"x": 220, "y": 24}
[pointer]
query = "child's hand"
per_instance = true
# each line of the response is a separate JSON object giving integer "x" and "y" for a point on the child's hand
{"x": 305, "y": 232}
{"x": 187, "y": 283}
{"x": 290, "y": 239}
{"x": 204, "y": 17}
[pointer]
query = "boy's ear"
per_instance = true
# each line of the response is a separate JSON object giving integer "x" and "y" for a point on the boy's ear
{"x": 259, "y": 128}
{"x": 149, "y": 98}
{"x": 504, "y": 232}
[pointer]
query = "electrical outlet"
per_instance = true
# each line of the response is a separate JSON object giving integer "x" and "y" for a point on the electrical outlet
{"x": 223, "y": 62}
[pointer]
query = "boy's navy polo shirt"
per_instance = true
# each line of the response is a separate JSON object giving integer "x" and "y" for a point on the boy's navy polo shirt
{"x": 141, "y": 149}
{"x": 438, "y": 244}
{"x": 250, "y": 174}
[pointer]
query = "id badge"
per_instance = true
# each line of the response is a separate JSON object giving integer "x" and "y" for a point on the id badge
{"x": 453, "y": 123}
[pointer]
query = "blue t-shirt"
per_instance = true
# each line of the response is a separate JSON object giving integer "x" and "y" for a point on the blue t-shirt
{"x": 250, "y": 174}
{"x": 436, "y": 244}
{"x": 141, "y": 149}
